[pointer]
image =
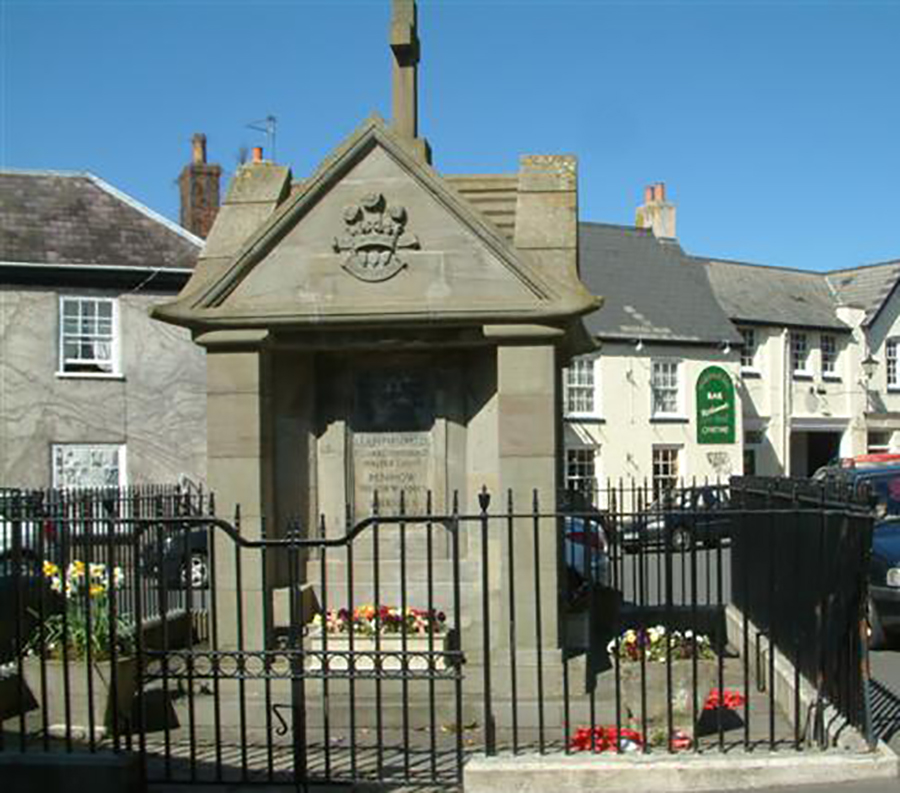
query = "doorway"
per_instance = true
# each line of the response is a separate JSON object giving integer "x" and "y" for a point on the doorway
{"x": 811, "y": 450}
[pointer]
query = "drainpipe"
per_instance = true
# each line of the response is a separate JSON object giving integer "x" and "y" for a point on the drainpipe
{"x": 787, "y": 401}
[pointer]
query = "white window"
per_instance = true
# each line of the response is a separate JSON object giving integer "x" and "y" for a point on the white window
{"x": 664, "y": 385}
{"x": 829, "y": 355}
{"x": 748, "y": 351}
{"x": 799, "y": 353}
{"x": 879, "y": 442}
{"x": 88, "y": 343}
{"x": 88, "y": 465}
{"x": 665, "y": 470}
{"x": 581, "y": 388}
{"x": 890, "y": 360}
{"x": 581, "y": 471}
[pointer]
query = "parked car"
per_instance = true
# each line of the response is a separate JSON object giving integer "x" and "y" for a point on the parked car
{"x": 884, "y": 581}
{"x": 21, "y": 520}
{"x": 692, "y": 515}
{"x": 882, "y": 480}
{"x": 184, "y": 557}
{"x": 586, "y": 535}
{"x": 586, "y": 548}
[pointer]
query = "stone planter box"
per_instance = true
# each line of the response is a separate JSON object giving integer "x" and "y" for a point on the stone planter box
{"x": 365, "y": 654}
{"x": 657, "y": 690}
{"x": 105, "y": 700}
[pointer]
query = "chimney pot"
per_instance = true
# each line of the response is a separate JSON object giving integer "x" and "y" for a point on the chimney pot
{"x": 198, "y": 145}
{"x": 257, "y": 154}
{"x": 656, "y": 213}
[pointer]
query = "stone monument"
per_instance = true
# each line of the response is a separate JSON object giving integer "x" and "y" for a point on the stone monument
{"x": 378, "y": 326}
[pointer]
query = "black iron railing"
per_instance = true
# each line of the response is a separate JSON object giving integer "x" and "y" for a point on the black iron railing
{"x": 394, "y": 646}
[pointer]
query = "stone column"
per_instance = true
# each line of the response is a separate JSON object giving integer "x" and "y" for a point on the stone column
{"x": 528, "y": 420}
{"x": 238, "y": 440}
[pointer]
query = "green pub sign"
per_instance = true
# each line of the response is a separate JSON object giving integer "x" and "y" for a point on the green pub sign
{"x": 715, "y": 406}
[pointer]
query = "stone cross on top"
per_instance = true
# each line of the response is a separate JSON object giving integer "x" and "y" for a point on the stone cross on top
{"x": 405, "y": 48}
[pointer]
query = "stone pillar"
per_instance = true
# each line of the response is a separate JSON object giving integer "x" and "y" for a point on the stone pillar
{"x": 528, "y": 422}
{"x": 238, "y": 413}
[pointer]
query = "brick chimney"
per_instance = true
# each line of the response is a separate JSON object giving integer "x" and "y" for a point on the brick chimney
{"x": 656, "y": 213}
{"x": 199, "y": 187}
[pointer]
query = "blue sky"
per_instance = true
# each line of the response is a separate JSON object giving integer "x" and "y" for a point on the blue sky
{"x": 775, "y": 125}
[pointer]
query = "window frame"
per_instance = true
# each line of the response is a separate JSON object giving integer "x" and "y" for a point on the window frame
{"x": 590, "y": 364}
{"x": 593, "y": 452}
{"x": 114, "y": 339}
{"x": 121, "y": 463}
{"x": 805, "y": 371}
{"x": 675, "y": 479}
{"x": 832, "y": 355}
{"x": 878, "y": 448}
{"x": 891, "y": 364}
{"x": 753, "y": 346}
{"x": 678, "y": 410}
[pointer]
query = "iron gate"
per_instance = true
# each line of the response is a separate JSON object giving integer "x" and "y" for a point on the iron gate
{"x": 296, "y": 702}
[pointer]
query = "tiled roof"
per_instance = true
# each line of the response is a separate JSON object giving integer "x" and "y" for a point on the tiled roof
{"x": 77, "y": 219}
{"x": 772, "y": 295}
{"x": 865, "y": 287}
{"x": 652, "y": 290}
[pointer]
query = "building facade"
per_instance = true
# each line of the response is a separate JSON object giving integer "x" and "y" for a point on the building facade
{"x": 92, "y": 392}
{"x": 812, "y": 358}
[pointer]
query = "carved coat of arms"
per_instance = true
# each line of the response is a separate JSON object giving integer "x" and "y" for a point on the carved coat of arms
{"x": 374, "y": 237}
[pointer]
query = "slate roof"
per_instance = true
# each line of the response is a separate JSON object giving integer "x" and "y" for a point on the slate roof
{"x": 865, "y": 287}
{"x": 55, "y": 218}
{"x": 652, "y": 290}
{"x": 773, "y": 295}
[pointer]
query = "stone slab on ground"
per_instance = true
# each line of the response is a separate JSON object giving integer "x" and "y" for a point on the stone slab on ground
{"x": 672, "y": 774}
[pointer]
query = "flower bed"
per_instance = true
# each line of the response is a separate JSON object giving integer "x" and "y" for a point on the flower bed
{"x": 380, "y": 635}
{"x": 649, "y": 688}
{"x": 656, "y": 644}
{"x": 367, "y": 620}
{"x": 56, "y": 670}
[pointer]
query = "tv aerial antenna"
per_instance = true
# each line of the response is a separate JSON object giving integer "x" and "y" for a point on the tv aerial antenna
{"x": 266, "y": 125}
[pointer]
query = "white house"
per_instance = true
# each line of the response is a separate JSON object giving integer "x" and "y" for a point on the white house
{"x": 812, "y": 358}
{"x": 92, "y": 392}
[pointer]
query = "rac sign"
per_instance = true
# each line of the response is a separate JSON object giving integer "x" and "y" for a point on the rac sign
{"x": 715, "y": 406}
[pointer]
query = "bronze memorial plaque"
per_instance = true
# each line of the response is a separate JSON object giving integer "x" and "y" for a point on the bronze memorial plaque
{"x": 392, "y": 446}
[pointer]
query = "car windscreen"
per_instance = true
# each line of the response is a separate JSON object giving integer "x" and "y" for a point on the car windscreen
{"x": 886, "y": 489}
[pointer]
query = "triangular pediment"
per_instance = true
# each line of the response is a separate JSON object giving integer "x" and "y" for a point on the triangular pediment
{"x": 376, "y": 234}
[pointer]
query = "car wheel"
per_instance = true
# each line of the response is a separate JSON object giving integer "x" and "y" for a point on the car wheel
{"x": 876, "y": 630}
{"x": 681, "y": 538}
{"x": 199, "y": 572}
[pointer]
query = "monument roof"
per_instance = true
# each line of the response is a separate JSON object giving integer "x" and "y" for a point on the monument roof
{"x": 219, "y": 296}
{"x": 652, "y": 290}
{"x": 69, "y": 219}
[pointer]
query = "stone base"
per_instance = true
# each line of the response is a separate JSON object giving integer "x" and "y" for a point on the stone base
{"x": 582, "y": 773}
{"x": 105, "y": 702}
{"x": 366, "y": 652}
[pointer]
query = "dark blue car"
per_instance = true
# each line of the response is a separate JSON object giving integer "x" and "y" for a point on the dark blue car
{"x": 884, "y": 581}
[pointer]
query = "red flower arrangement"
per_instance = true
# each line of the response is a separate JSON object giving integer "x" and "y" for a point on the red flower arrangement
{"x": 604, "y": 739}
{"x": 729, "y": 698}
